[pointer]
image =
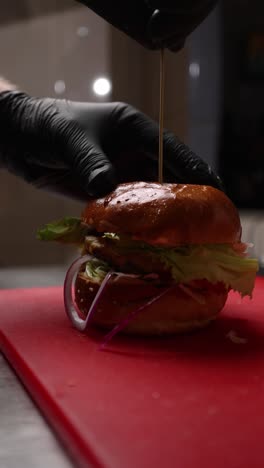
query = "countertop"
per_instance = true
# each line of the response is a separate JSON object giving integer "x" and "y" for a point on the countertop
{"x": 26, "y": 440}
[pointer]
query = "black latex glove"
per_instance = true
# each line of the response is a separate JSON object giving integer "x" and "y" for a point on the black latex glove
{"x": 168, "y": 27}
{"x": 83, "y": 150}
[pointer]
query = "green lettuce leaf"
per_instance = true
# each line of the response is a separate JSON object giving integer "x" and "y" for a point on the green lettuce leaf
{"x": 215, "y": 263}
{"x": 67, "y": 230}
{"x": 96, "y": 269}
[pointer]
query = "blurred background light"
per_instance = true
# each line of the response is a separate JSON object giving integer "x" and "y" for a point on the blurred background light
{"x": 194, "y": 70}
{"x": 59, "y": 86}
{"x": 82, "y": 31}
{"x": 102, "y": 86}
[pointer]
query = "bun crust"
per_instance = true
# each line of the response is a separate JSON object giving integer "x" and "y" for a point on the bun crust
{"x": 166, "y": 214}
{"x": 175, "y": 312}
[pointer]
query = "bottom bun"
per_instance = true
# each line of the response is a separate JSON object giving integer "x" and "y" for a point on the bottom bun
{"x": 175, "y": 312}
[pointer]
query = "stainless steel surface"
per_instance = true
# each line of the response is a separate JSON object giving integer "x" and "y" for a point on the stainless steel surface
{"x": 29, "y": 277}
{"x": 26, "y": 440}
{"x": 253, "y": 233}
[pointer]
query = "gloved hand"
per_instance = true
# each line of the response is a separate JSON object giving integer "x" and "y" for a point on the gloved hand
{"x": 85, "y": 149}
{"x": 168, "y": 27}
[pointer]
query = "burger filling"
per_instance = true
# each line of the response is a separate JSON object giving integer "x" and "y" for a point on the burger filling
{"x": 214, "y": 265}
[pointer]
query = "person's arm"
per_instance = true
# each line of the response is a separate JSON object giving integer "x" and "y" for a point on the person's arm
{"x": 85, "y": 149}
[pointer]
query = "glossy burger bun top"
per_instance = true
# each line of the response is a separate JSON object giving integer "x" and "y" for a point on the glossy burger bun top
{"x": 166, "y": 214}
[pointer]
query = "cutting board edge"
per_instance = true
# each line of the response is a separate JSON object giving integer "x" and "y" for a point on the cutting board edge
{"x": 51, "y": 413}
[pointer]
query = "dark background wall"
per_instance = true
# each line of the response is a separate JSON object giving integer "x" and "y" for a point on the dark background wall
{"x": 242, "y": 132}
{"x": 21, "y": 10}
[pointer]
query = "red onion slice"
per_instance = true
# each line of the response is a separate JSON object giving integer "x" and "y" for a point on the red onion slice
{"x": 193, "y": 294}
{"x": 69, "y": 303}
{"x": 71, "y": 309}
{"x": 120, "y": 326}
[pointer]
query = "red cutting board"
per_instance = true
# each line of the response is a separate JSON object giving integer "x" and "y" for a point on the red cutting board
{"x": 193, "y": 401}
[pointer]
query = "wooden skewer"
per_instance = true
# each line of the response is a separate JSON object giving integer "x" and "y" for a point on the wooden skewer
{"x": 161, "y": 115}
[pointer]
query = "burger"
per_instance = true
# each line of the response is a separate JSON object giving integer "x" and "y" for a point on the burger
{"x": 174, "y": 252}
